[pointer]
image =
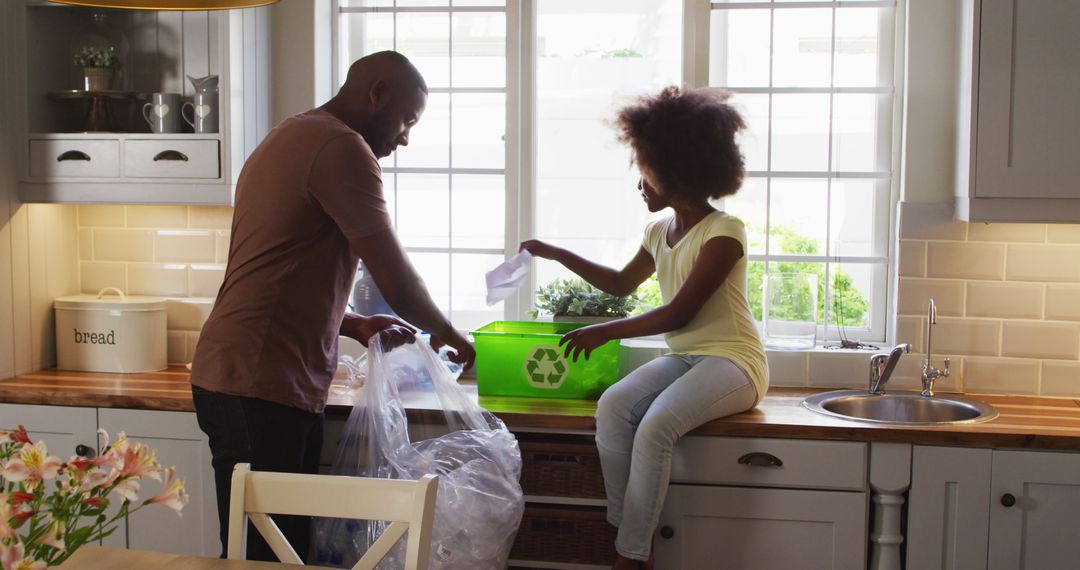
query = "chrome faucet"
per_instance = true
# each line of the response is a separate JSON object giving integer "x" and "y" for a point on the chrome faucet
{"x": 882, "y": 365}
{"x": 929, "y": 373}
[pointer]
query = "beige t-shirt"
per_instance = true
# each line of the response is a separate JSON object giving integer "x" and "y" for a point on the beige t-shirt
{"x": 309, "y": 188}
{"x": 724, "y": 326}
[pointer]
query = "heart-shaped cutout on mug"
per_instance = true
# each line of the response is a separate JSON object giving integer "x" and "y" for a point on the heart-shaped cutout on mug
{"x": 202, "y": 111}
{"x": 161, "y": 110}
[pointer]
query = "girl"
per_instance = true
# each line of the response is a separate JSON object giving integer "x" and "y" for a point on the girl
{"x": 683, "y": 142}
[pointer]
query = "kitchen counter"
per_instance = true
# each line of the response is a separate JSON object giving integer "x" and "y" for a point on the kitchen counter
{"x": 1024, "y": 422}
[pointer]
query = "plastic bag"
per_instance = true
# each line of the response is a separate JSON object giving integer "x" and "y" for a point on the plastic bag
{"x": 479, "y": 504}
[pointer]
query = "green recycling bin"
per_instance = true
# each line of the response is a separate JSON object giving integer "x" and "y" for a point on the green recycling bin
{"x": 523, "y": 358}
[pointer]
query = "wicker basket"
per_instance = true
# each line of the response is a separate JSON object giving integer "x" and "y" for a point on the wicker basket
{"x": 568, "y": 468}
{"x": 578, "y": 535}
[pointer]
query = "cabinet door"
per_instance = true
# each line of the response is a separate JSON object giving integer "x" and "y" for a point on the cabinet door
{"x": 737, "y": 528}
{"x": 1028, "y": 86}
{"x": 948, "y": 508}
{"x": 61, "y": 428}
{"x": 179, "y": 442}
{"x": 1038, "y": 527}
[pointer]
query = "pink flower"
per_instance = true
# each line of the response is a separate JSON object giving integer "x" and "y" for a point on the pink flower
{"x": 173, "y": 496}
{"x": 12, "y": 558}
{"x": 32, "y": 465}
{"x": 128, "y": 489}
{"x": 20, "y": 435}
{"x": 54, "y": 537}
{"x": 136, "y": 460}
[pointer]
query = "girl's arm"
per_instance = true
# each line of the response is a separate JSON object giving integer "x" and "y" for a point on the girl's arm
{"x": 718, "y": 256}
{"x": 614, "y": 281}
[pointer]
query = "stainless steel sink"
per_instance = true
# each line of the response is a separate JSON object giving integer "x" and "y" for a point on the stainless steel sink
{"x": 906, "y": 408}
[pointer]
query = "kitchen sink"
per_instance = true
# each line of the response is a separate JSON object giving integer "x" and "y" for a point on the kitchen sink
{"x": 905, "y": 408}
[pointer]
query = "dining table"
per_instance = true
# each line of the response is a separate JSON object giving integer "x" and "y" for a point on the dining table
{"x": 103, "y": 557}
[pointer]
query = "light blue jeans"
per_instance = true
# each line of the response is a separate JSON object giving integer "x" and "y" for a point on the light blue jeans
{"x": 638, "y": 421}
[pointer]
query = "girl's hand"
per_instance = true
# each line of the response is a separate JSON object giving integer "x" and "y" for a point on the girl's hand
{"x": 585, "y": 339}
{"x": 539, "y": 248}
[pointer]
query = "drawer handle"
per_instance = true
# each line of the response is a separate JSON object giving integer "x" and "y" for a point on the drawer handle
{"x": 667, "y": 531}
{"x": 1008, "y": 500}
{"x": 170, "y": 155}
{"x": 73, "y": 155}
{"x": 760, "y": 459}
{"x": 85, "y": 451}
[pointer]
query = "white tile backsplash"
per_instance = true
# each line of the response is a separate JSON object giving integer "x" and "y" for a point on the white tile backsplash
{"x": 1019, "y": 329}
{"x": 177, "y": 252}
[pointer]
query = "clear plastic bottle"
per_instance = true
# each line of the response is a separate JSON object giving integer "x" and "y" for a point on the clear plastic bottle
{"x": 366, "y": 298}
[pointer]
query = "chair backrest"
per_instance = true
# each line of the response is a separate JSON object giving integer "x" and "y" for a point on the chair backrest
{"x": 407, "y": 505}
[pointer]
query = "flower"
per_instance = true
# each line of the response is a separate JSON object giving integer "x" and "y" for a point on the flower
{"x": 49, "y": 508}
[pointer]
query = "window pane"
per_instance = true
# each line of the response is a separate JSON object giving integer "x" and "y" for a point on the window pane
{"x": 362, "y": 34}
{"x": 469, "y": 309}
{"x": 851, "y": 294}
{"x": 859, "y": 218}
{"x": 808, "y": 267}
{"x": 754, "y": 139}
{"x": 434, "y": 269}
{"x": 423, "y": 2}
{"x": 797, "y": 216}
{"x": 423, "y": 203}
{"x": 739, "y": 48}
{"x": 750, "y": 206}
{"x": 425, "y": 39}
{"x": 479, "y": 43}
{"x": 755, "y": 272}
{"x": 858, "y": 144}
{"x": 857, "y": 61}
{"x": 429, "y": 140}
{"x": 592, "y": 58}
{"x": 389, "y": 187}
{"x": 800, "y": 136}
{"x": 366, "y": 3}
{"x": 478, "y": 207}
{"x": 802, "y": 40}
{"x": 478, "y": 129}
{"x": 478, "y": 2}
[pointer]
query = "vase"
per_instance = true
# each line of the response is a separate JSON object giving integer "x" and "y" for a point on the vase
{"x": 97, "y": 78}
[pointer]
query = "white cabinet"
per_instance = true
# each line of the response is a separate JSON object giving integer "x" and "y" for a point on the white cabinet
{"x": 178, "y": 441}
{"x": 68, "y": 156}
{"x": 1034, "y": 501}
{"x": 1020, "y": 81}
{"x": 62, "y": 429}
{"x": 765, "y": 503}
{"x": 995, "y": 509}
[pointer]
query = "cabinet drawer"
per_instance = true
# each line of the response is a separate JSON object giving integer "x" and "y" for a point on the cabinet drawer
{"x": 567, "y": 535}
{"x": 147, "y": 158}
{"x": 84, "y": 158}
{"x": 770, "y": 462}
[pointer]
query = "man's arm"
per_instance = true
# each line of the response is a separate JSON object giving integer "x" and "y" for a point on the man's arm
{"x": 404, "y": 290}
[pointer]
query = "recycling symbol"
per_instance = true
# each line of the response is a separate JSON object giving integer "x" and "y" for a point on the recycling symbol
{"x": 546, "y": 367}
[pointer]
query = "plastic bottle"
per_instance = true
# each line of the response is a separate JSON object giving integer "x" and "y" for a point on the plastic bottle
{"x": 366, "y": 298}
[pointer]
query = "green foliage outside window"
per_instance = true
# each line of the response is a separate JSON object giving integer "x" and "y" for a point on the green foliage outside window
{"x": 849, "y": 306}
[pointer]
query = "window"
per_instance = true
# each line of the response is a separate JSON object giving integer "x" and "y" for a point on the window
{"x": 815, "y": 83}
{"x": 517, "y": 142}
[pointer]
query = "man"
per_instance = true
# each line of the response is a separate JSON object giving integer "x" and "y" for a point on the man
{"x": 309, "y": 206}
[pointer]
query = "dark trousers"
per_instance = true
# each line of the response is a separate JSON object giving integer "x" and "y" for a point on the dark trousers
{"x": 270, "y": 436}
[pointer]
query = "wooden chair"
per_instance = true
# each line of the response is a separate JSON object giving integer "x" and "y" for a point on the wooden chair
{"x": 408, "y": 505}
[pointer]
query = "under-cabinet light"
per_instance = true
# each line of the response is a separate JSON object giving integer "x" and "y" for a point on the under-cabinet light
{"x": 169, "y": 4}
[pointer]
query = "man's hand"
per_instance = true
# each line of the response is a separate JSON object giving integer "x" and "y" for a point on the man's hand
{"x": 540, "y": 249}
{"x": 464, "y": 353}
{"x": 585, "y": 339}
{"x": 393, "y": 332}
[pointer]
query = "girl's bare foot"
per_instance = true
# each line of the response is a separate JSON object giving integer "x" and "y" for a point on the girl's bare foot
{"x": 624, "y": 563}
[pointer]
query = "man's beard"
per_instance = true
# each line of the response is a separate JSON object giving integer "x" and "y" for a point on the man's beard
{"x": 376, "y": 133}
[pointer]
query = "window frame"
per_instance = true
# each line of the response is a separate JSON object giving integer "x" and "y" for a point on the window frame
{"x": 520, "y": 139}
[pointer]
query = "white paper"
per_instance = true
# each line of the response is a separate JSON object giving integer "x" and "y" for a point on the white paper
{"x": 507, "y": 277}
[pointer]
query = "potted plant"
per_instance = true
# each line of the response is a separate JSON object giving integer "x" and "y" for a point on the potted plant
{"x": 99, "y": 65}
{"x": 577, "y": 301}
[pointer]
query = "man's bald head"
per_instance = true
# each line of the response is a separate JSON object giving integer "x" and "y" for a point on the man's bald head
{"x": 382, "y": 98}
{"x": 387, "y": 65}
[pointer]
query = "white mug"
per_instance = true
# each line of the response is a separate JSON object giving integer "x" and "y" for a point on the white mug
{"x": 204, "y": 112}
{"x": 163, "y": 112}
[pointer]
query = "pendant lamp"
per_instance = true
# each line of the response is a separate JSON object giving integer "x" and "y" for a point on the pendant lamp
{"x": 168, "y": 4}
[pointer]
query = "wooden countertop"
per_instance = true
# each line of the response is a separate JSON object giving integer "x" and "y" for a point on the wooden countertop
{"x": 1024, "y": 422}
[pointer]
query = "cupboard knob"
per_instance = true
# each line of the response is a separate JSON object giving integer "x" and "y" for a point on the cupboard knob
{"x": 1008, "y": 500}
{"x": 84, "y": 451}
{"x": 667, "y": 532}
